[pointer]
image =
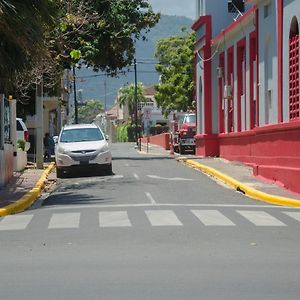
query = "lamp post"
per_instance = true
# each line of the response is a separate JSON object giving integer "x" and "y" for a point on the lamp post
{"x": 75, "y": 98}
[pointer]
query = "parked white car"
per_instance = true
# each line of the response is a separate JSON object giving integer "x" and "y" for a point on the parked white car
{"x": 22, "y": 132}
{"x": 80, "y": 147}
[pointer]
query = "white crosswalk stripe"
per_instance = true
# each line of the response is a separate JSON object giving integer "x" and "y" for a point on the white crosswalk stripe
{"x": 114, "y": 219}
{"x": 65, "y": 220}
{"x": 293, "y": 214}
{"x": 15, "y": 222}
{"x": 156, "y": 217}
{"x": 212, "y": 218}
{"x": 162, "y": 218}
{"x": 260, "y": 218}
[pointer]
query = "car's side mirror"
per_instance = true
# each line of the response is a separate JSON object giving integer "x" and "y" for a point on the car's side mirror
{"x": 107, "y": 137}
{"x": 55, "y": 139}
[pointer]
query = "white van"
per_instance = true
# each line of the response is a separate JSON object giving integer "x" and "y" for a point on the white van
{"x": 22, "y": 132}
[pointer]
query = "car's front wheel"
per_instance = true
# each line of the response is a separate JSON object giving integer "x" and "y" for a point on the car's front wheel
{"x": 59, "y": 173}
{"x": 108, "y": 169}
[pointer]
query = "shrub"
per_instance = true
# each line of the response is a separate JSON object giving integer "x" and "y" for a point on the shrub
{"x": 126, "y": 133}
{"x": 158, "y": 129}
{"x": 21, "y": 144}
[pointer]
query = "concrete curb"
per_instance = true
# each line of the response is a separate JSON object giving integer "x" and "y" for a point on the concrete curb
{"x": 248, "y": 191}
{"x": 28, "y": 199}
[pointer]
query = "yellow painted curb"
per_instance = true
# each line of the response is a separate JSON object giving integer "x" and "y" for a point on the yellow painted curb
{"x": 29, "y": 198}
{"x": 248, "y": 191}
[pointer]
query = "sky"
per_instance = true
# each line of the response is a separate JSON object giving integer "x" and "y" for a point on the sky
{"x": 185, "y": 8}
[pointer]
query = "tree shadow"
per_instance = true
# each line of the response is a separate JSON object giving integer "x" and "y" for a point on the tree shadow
{"x": 68, "y": 198}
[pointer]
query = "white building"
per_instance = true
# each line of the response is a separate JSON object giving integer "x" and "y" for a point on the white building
{"x": 247, "y": 85}
{"x": 7, "y": 138}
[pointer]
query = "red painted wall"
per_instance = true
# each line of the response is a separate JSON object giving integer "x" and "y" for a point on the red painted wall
{"x": 273, "y": 151}
{"x": 162, "y": 140}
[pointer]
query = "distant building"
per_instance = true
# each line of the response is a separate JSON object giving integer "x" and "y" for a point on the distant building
{"x": 247, "y": 85}
{"x": 156, "y": 116}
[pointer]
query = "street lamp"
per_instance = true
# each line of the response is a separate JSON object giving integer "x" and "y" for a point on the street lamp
{"x": 75, "y": 98}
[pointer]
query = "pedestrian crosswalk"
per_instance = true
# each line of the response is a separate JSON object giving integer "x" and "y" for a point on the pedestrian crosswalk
{"x": 212, "y": 218}
{"x": 65, "y": 220}
{"x": 114, "y": 219}
{"x": 162, "y": 218}
{"x": 157, "y": 218}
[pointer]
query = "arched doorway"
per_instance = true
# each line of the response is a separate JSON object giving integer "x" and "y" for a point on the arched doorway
{"x": 294, "y": 70}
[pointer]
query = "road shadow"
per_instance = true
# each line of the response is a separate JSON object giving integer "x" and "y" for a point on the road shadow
{"x": 86, "y": 173}
{"x": 68, "y": 198}
{"x": 142, "y": 158}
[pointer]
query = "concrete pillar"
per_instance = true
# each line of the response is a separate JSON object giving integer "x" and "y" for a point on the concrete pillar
{"x": 2, "y": 160}
{"x": 39, "y": 127}
{"x": 13, "y": 131}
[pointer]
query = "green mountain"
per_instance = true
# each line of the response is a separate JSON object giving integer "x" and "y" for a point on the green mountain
{"x": 97, "y": 86}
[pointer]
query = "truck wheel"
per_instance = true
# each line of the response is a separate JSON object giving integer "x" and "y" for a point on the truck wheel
{"x": 181, "y": 149}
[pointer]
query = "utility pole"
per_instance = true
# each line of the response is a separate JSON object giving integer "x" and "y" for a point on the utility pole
{"x": 136, "y": 104}
{"x": 105, "y": 88}
{"x": 75, "y": 98}
{"x": 39, "y": 142}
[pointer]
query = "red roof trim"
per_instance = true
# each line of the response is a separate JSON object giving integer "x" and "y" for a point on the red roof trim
{"x": 232, "y": 26}
{"x": 201, "y": 20}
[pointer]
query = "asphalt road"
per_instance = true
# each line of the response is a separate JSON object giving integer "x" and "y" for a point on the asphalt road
{"x": 154, "y": 230}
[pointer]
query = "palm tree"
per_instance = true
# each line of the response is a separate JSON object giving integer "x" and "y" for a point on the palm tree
{"x": 126, "y": 96}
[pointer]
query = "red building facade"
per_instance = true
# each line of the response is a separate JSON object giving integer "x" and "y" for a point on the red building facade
{"x": 247, "y": 89}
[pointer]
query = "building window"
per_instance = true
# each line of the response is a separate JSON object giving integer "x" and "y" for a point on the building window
{"x": 6, "y": 115}
{"x": 294, "y": 70}
{"x": 149, "y": 103}
{"x": 267, "y": 10}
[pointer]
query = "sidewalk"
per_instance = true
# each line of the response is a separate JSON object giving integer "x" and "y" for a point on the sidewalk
{"x": 24, "y": 188}
{"x": 236, "y": 175}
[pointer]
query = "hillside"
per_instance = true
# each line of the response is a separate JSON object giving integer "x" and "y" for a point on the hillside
{"x": 93, "y": 84}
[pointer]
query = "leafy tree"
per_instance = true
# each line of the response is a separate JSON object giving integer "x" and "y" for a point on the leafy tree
{"x": 89, "y": 110}
{"x": 98, "y": 33}
{"x": 176, "y": 88}
{"x": 22, "y": 27}
{"x": 126, "y": 96}
{"x": 102, "y": 33}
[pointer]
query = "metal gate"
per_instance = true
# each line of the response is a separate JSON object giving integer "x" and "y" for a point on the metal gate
{"x": 294, "y": 77}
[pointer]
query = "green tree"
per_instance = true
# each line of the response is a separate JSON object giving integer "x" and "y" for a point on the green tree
{"x": 98, "y": 33}
{"x": 102, "y": 33}
{"x": 89, "y": 110}
{"x": 22, "y": 30}
{"x": 176, "y": 88}
{"x": 126, "y": 96}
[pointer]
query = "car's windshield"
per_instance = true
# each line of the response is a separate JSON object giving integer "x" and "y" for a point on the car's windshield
{"x": 81, "y": 135}
{"x": 190, "y": 118}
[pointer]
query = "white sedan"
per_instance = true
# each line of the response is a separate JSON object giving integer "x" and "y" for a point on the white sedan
{"x": 80, "y": 147}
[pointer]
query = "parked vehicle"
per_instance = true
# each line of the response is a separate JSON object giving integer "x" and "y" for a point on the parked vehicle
{"x": 22, "y": 132}
{"x": 183, "y": 130}
{"x": 82, "y": 146}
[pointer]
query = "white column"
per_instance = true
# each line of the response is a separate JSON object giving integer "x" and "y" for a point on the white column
{"x": 2, "y": 160}
{"x": 39, "y": 126}
{"x": 13, "y": 131}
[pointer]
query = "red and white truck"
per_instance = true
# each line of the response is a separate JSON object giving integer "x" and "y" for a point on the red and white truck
{"x": 182, "y": 132}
